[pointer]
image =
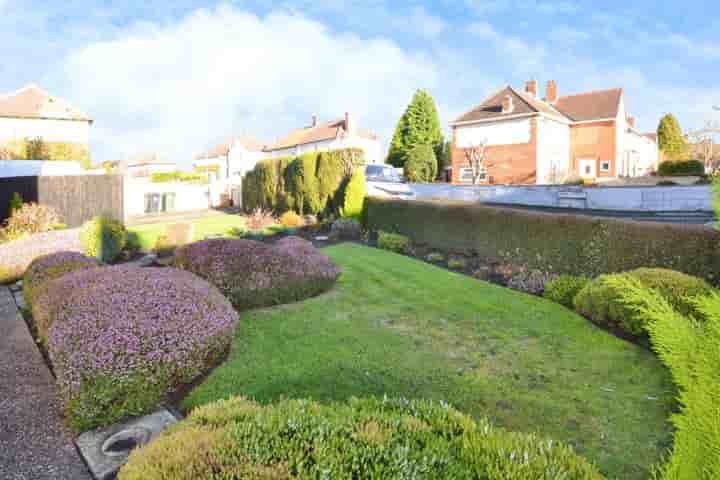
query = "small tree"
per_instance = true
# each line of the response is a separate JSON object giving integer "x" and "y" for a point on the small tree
{"x": 36, "y": 149}
{"x": 476, "y": 159}
{"x": 16, "y": 202}
{"x": 420, "y": 124}
{"x": 671, "y": 140}
{"x": 421, "y": 165}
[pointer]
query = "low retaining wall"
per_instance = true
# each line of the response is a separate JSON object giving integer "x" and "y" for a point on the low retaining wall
{"x": 658, "y": 199}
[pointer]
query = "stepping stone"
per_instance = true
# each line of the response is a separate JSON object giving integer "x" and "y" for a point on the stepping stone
{"x": 106, "y": 450}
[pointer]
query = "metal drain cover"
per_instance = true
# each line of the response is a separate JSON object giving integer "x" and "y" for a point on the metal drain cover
{"x": 106, "y": 450}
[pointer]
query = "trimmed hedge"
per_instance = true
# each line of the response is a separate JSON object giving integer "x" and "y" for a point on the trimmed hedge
{"x": 360, "y": 439}
{"x": 255, "y": 274}
{"x": 558, "y": 243}
{"x": 354, "y": 198}
{"x": 393, "y": 242}
{"x": 672, "y": 168}
{"x": 47, "y": 268}
{"x": 122, "y": 338}
{"x": 313, "y": 183}
{"x": 603, "y": 303}
{"x": 103, "y": 238}
{"x": 564, "y": 289}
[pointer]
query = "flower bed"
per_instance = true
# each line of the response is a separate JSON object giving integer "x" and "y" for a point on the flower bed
{"x": 16, "y": 256}
{"x": 122, "y": 338}
{"x": 366, "y": 438}
{"x": 253, "y": 274}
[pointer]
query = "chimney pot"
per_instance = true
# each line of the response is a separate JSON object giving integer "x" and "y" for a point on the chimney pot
{"x": 349, "y": 123}
{"x": 631, "y": 121}
{"x": 531, "y": 88}
{"x": 507, "y": 104}
{"x": 551, "y": 92}
{"x": 314, "y": 121}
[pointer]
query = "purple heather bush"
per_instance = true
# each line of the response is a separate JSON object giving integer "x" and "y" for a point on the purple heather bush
{"x": 16, "y": 255}
{"x": 47, "y": 268}
{"x": 254, "y": 274}
{"x": 122, "y": 338}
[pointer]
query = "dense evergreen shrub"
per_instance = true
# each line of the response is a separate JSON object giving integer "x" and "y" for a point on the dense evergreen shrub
{"x": 354, "y": 195}
{"x": 393, "y": 242}
{"x": 253, "y": 274}
{"x": 681, "y": 168}
{"x": 122, "y": 338}
{"x": 603, "y": 303}
{"x": 690, "y": 350}
{"x": 330, "y": 173}
{"x": 564, "y": 289}
{"x": 361, "y": 439}
{"x": 345, "y": 229}
{"x": 421, "y": 164}
{"x": 103, "y": 238}
{"x": 557, "y": 243}
{"x": 47, "y": 268}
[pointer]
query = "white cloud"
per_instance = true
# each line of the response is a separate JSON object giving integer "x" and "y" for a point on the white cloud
{"x": 177, "y": 87}
{"x": 516, "y": 54}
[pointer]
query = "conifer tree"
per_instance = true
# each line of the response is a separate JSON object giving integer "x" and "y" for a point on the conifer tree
{"x": 420, "y": 124}
{"x": 671, "y": 140}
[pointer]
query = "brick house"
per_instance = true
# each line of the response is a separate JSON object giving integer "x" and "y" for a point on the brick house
{"x": 533, "y": 140}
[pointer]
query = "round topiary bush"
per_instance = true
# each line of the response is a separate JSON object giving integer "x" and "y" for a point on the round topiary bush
{"x": 602, "y": 303}
{"x": 254, "y": 274}
{"x": 103, "y": 238}
{"x": 122, "y": 338}
{"x": 47, "y": 268}
{"x": 564, "y": 289}
{"x": 364, "y": 438}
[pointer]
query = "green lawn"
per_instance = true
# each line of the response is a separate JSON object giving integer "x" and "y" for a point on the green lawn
{"x": 147, "y": 235}
{"x": 397, "y": 326}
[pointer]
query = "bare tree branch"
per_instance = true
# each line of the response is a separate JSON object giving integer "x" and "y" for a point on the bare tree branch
{"x": 476, "y": 158}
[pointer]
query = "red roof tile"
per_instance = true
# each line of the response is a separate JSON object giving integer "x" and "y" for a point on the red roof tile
{"x": 34, "y": 102}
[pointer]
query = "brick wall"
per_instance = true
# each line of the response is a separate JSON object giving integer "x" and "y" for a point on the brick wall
{"x": 594, "y": 140}
{"x": 506, "y": 164}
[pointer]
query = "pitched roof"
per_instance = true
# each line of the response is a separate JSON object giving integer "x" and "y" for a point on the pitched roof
{"x": 591, "y": 105}
{"x": 251, "y": 144}
{"x": 523, "y": 103}
{"x": 582, "y": 107}
{"x": 319, "y": 133}
{"x": 652, "y": 136}
{"x": 34, "y": 102}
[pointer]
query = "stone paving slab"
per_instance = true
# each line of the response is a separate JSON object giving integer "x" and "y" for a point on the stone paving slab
{"x": 34, "y": 444}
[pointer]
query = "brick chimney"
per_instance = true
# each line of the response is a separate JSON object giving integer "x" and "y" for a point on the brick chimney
{"x": 349, "y": 123}
{"x": 631, "y": 122}
{"x": 551, "y": 92}
{"x": 507, "y": 104}
{"x": 531, "y": 88}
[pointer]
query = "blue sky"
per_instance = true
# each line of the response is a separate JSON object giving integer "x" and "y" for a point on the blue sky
{"x": 174, "y": 77}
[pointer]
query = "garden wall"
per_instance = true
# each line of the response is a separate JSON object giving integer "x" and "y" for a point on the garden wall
{"x": 76, "y": 197}
{"x": 557, "y": 243}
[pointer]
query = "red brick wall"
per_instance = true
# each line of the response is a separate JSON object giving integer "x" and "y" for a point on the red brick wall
{"x": 506, "y": 164}
{"x": 594, "y": 140}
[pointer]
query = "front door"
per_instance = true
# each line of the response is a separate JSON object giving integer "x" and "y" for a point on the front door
{"x": 587, "y": 167}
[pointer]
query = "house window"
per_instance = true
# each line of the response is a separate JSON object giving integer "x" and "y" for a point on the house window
{"x": 156, "y": 202}
{"x": 605, "y": 166}
{"x": 466, "y": 174}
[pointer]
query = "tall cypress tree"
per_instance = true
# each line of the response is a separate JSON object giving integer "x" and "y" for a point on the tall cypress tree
{"x": 670, "y": 138}
{"x": 419, "y": 125}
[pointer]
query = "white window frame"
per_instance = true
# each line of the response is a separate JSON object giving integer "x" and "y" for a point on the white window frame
{"x": 602, "y": 166}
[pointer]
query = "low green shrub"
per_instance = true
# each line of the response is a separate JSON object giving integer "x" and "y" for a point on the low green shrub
{"x": 363, "y": 438}
{"x": 672, "y": 168}
{"x": 393, "y": 242}
{"x": 690, "y": 350}
{"x": 564, "y": 289}
{"x": 435, "y": 257}
{"x": 346, "y": 229}
{"x": 456, "y": 263}
{"x": 16, "y": 202}
{"x": 602, "y": 302}
{"x": 291, "y": 219}
{"x": 103, "y": 238}
{"x": 167, "y": 177}
{"x": 558, "y": 243}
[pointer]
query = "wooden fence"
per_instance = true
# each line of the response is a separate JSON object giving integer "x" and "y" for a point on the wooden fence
{"x": 77, "y": 198}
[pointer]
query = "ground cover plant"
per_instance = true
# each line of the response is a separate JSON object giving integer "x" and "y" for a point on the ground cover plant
{"x": 121, "y": 338}
{"x": 564, "y": 289}
{"x": 363, "y": 439}
{"x": 253, "y": 274}
{"x": 398, "y": 326}
{"x": 603, "y": 303}
{"x": 47, "y": 268}
{"x": 690, "y": 350}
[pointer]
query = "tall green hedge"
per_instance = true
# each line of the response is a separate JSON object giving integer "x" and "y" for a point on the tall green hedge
{"x": 312, "y": 183}
{"x": 572, "y": 244}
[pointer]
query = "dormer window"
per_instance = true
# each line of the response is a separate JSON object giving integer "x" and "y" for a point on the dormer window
{"x": 507, "y": 104}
